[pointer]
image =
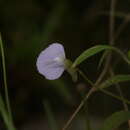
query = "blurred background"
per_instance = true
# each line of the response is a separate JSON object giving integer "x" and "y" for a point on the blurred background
{"x": 29, "y": 26}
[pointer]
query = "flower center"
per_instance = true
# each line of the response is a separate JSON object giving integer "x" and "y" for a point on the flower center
{"x": 59, "y": 60}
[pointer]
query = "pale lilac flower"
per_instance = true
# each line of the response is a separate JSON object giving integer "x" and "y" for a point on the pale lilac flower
{"x": 51, "y": 61}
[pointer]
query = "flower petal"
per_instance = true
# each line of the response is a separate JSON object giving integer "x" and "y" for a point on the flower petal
{"x": 46, "y": 63}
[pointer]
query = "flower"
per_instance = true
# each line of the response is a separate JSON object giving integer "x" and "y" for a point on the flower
{"x": 51, "y": 61}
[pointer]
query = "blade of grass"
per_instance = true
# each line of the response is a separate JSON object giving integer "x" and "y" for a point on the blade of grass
{"x": 5, "y": 77}
{"x": 5, "y": 115}
{"x": 5, "y": 81}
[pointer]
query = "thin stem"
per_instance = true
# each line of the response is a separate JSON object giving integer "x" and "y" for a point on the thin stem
{"x": 88, "y": 125}
{"x": 5, "y": 79}
{"x": 111, "y": 39}
{"x": 119, "y": 90}
{"x": 85, "y": 113}
{"x": 104, "y": 71}
{"x": 121, "y": 28}
{"x": 121, "y": 95}
{"x": 104, "y": 91}
{"x": 93, "y": 89}
{"x": 85, "y": 77}
{"x": 114, "y": 96}
{"x": 77, "y": 110}
{"x": 112, "y": 11}
{"x": 118, "y": 14}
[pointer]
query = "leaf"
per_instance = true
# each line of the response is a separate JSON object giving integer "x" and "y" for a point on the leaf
{"x": 114, "y": 80}
{"x": 90, "y": 52}
{"x": 115, "y": 120}
{"x": 96, "y": 49}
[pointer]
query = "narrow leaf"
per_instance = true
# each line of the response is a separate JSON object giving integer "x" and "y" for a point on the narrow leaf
{"x": 90, "y": 52}
{"x": 114, "y": 80}
{"x": 115, "y": 120}
{"x": 96, "y": 49}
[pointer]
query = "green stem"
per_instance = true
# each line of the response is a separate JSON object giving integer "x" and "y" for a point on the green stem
{"x": 102, "y": 90}
{"x": 85, "y": 77}
{"x": 76, "y": 111}
{"x": 115, "y": 96}
{"x": 86, "y": 113}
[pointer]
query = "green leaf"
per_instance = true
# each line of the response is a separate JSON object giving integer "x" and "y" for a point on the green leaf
{"x": 90, "y": 52}
{"x": 115, "y": 120}
{"x": 96, "y": 49}
{"x": 114, "y": 80}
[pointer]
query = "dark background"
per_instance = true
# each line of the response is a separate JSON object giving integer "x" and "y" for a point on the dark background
{"x": 28, "y": 26}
